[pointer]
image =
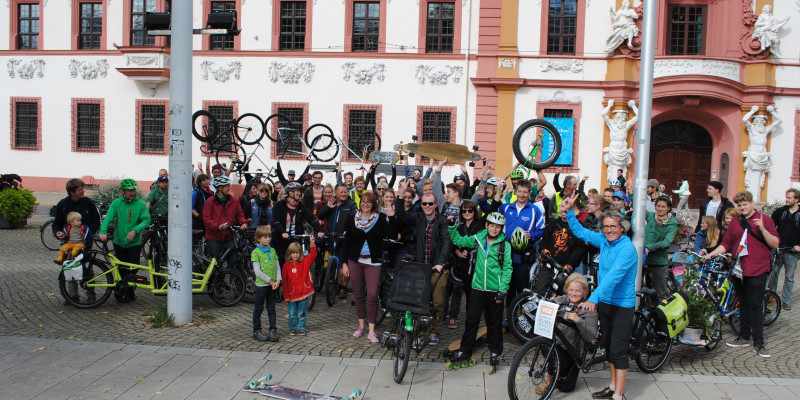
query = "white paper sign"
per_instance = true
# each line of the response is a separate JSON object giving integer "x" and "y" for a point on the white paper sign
{"x": 545, "y": 319}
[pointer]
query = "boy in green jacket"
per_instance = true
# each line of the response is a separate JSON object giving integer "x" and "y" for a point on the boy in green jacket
{"x": 132, "y": 217}
{"x": 489, "y": 287}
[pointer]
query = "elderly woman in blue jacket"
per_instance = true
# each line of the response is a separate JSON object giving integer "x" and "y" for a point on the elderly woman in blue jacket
{"x": 615, "y": 296}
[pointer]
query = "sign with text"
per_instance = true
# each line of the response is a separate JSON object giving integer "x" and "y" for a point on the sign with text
{"x": 566, "y": 128}
{"x": 545, "y": 319}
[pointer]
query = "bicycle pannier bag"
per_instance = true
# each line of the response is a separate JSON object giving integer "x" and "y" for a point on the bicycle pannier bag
{"x": 672, "y": 314}
{"x": 411, "y": 287}
{"x": 73, "y": 270}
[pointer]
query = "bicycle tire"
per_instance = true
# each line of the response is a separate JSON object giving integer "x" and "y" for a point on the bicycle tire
{"x": 402, "y": 352}
{"x": 526, "y": 135}
{"x": 772, "y": 307}
{"x": 330, "y": 281}
{"x": 273, "y": 122}
{"x": 79, "y": 295}
{"x": 204, "y": 126}
{"x": 383, "y": 300}
{"x": 249, "y": 128}
{"x": 226, "y": 288}
{"x": 318, "y": 130}
{"x": 49, "y": 240}
{"x": 714, "y": 334}
{"x": 329, "y": 153}
{"x": 535, "y": 356}
{"x": 654, "y": 343}
{"x": 515, "y": 310}
{"x": 733, "y": 319}
{"x": 224, "y": 153}
{"x": 366, "y": 143}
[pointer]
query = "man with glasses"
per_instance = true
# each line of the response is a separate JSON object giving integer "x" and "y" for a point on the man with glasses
{"x": 615, "y": 296}
{"x": 433, "y": 247}
{"x": 289, "y": 217}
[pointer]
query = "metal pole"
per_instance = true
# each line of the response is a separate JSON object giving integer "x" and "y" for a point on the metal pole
{"x": 643, "y": 138}
{"x": 179, "y": 299}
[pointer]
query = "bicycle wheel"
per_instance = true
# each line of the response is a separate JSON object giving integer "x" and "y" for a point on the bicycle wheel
{"x": 80, "y": 294}
{"x": 249, "y": 128}
{"x": 231, "y": 153}
{"x": 402, "y": 353}
{"x": 318, "y": 130}
{"x": 714, "y": 334}
{"x": 329, "y": 283}
{"x": 533, "y": 362}
{"x": 772, "y": 307}
{"x": 331, "y": 149}
{"x": 226, "y": 288}
{"x": 733, "y": 319}
{"x": 514, "y": 313}
{"x": 654, "y": 348}
{"x": 275, "y": 122}
{"x": 204, "y": 126}
{"x": 49, "y": 240}
{"x": 365, "y": 143}
{"x": 383, "y": 300}
{"x": 525, "y": 139}
{"x": 249, "y": 285}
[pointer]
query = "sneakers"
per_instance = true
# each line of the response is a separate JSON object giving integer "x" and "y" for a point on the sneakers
{"x": 433, "y": 339}
{"x": 786, "y": 306}
{"x": 418, "y": 343}
{"x": 342, "y": 294}
{"x": 606, "y": 393}
{"x": 452, "y": 324}
{"x": 301, "y": 332}
{"x": 292, "y": 332}
{"x": 273, "y": 335}
{"x": 358, "y": 332}
{"x": 260, "y": 336}
{"x": 739, "y": 342}
{"x": 373, "y": 337}
{"x": 761, "y": 351}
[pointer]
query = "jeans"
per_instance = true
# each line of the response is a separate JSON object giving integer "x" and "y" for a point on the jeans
{"x": 217, "y": 248}
{"x": 453, "y": 298}
{"x": 751, "y": 310}
{"x": 520, "y": 280}
{"x": 787, "y": 260}
{"x": 297, "y": 314}
{"x": 264, "y": 294}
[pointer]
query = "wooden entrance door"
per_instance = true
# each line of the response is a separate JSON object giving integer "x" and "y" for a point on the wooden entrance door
{"x": 678, "y": 149}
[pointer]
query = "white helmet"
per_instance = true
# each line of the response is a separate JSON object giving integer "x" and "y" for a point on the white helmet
{"x": 493, "y": 181}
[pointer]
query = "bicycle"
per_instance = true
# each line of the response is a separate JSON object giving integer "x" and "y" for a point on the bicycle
{"x": 96, "y": 280}
{"x": 330, "y": 282}
{"x": 248, "y": 128}
{"x": 243, "y": 245}
{"x": 649, "y": 346}
{"x": 387, "y": 276}
{"x": 154, "y": 245}
{"x": 411, "y": 302}
{"x": 536, "y": 144}
{"x": 318, "y": 138}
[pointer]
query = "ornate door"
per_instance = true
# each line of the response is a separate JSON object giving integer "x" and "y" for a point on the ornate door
{"x": 681, "y": 149}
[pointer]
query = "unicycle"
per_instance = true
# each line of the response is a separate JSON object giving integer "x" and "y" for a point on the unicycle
{"x": 536, "y": 144}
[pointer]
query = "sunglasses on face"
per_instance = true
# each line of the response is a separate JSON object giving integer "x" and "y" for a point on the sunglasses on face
{"x": 427, "y": 204}
{"x": 468, "y": 211}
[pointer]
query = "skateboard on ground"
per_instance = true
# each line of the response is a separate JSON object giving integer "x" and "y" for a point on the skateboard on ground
{"x": 283, "y": 393}
{"x": 454, "y": 153}
{"x": 385, "y": 157}
{"x": 479, "y": 339}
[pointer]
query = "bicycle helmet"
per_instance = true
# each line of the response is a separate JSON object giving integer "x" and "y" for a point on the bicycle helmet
{"x": 293, "y": 186}
{"x": 493, "y": 181}
{"x": 496, "y": 218}
{"x": 127, "y": 184}
{"x": 516, "y": 174}
{"x": 221, "y": 181}
{"x": 518, "y": 239}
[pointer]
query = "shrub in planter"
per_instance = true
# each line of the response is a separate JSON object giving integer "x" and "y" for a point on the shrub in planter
{"x": 17, "y": 205}
{"x": 109, "y": 192}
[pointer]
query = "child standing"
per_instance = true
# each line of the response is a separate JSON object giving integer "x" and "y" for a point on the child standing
{"x": 75, "y": 235}
{"x": 297, "y": 286}
{"x": 489, "y": 287}
{"x": 268, "y": 278}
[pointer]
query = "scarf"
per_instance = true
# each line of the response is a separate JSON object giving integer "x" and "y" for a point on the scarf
{"x": 263, "y": 203}
{"x": 661, "y": 221}
{"x": 368, "y": 224}
{"x": 222, "y": 199}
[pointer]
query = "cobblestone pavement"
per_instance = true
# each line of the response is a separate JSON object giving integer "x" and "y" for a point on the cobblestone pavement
{"x": 33, "y": 307}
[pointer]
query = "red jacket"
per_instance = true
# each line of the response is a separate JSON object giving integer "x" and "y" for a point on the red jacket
{"x": 296, "y": 279}
{"x": 215, "y": 214}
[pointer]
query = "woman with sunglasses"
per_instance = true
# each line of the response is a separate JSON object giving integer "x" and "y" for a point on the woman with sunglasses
{"x": 463, "y": 264}
{"x": 259, "y": 209}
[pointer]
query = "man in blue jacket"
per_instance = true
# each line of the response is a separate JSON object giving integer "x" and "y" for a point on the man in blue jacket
{"x": 615, "y": 296}
{"x": 526, "y": 217}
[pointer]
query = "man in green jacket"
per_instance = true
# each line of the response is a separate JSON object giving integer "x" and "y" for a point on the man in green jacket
{"x": 132, "y": 217}
{"x": 489, "y": 287}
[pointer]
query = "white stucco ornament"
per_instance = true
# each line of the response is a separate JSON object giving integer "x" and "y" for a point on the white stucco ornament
{"x": 364, "y": 76}
{"x": 617, "y": 155}
{"x": 221, "y": 74}
{"x": 88, "y": 70}
{"x": 757, "y": 160}
{"x": 766, "y": 29}
{"x": 25, "y": 70}
{"x": 623, "y": 23}
{"x": 438, "y": 77}
{"x": 291, "y": 74}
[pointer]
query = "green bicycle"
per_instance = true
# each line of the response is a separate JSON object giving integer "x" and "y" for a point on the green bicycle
{"x": 90, "y": 283}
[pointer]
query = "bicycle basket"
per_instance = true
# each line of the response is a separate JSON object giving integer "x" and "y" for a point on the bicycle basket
{"x": 411, "y": 288}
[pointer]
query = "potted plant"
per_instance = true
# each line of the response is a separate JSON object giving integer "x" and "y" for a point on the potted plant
{"x": 699, "y": 310}
{"x": 16, "y": 205}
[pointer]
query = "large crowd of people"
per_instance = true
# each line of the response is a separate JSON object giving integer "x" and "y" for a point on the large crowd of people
{"x": 482, "y": 235}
